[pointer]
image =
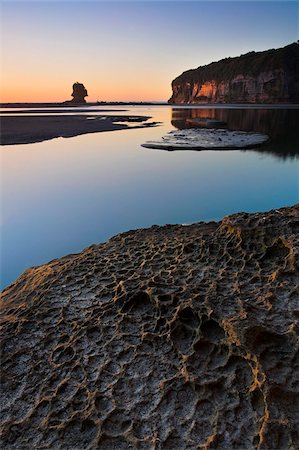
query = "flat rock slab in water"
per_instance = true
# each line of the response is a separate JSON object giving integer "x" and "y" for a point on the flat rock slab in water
{"x": 203, "y": 139}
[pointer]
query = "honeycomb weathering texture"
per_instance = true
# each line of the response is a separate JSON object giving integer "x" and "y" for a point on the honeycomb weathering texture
{"x": 175, "y": 337}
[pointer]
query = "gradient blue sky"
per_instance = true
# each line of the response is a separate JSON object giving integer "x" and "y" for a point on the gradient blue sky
{"x": 128, "y": 50}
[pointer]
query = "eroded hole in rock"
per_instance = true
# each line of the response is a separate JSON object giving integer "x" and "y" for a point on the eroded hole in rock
{"x": 87, "y": 426}
{"x": 79, "y": 433}
{"x": 212, "y": 331}
{"x": 160, "y": 324}
{"x": 189, "y": 248}
{"x": 142, "y": 429}
{"x": 182, "y": 337}
{"x": 64, "y": 414}
{"x": 203, "y": 348}
{"x": 62, "y": 354}
{"x": 188, "y": 317}
{"x": 165, "y": 298}
{"x": 103, "y": 404}
{"x": 78, "y": 374}
{"x": 116, "y": 423}
{"x": 80, "y": 400}
{"x": 93, "y": 333}
{"x": 274, "y": 256}
{"x": 138, "y": 302}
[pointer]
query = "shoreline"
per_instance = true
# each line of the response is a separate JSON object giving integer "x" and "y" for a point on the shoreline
{"x": 154, "y": 330}
{"x": 181, "y": 105}
{"x": 203, "y": 226}
{"x": 74, "y": 105}
{"x": 32, "y": 129}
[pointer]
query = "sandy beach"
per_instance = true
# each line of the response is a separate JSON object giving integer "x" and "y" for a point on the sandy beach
{"x": 30, "y": 129}
{"x": 169, "y": 337}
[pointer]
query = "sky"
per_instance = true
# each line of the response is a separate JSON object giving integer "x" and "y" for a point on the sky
{"x": 128, "y": 51}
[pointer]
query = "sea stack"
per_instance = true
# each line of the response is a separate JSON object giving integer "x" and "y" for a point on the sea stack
{"x": 79, "y": 93}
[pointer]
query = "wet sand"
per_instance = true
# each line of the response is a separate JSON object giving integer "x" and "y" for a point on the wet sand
{"x": 65, "y": 110}
{"x": 174, "y": 337}
{"x": 30, "y": 129}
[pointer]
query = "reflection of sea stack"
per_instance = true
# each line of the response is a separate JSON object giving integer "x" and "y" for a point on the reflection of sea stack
{"x": 79, "y": 92}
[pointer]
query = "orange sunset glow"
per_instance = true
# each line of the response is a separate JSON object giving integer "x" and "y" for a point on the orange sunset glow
{"x": 121, "y": 51}
{"x": 49, "y": 90}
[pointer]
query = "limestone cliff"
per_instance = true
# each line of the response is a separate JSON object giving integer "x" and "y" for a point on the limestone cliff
{"x": 175, "y": 337}
{"x": 271, "y": 76}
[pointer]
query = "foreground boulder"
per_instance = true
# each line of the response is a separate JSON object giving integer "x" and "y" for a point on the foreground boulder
{"x": 175, "y": 337}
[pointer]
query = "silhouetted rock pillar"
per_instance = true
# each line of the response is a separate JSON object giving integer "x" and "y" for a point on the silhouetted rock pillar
{"x": 79, "y": 92}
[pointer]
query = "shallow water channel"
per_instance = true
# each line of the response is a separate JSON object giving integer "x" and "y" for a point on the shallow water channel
{"x": 61, "y": 195}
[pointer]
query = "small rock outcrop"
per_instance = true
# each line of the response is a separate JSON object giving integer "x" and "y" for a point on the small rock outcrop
{"x": 79, "y": 93}
{"x": 171, "y": 338}
{"x": 271, "y": 76}
{"x": 207, "y": 139}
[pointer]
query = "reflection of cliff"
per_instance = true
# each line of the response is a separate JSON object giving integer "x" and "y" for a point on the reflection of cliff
{"x": 280, "y": 124}
{"x": 263, "y": 77}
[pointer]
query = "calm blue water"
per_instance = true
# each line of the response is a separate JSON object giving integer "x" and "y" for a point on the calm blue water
{"x": 62, "y": 195}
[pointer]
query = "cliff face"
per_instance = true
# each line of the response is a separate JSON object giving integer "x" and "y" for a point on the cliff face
{"x": 264, "y": 77}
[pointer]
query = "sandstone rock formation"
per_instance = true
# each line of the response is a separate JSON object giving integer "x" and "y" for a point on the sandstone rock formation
{"x": 264, "y": 77}
{"x": 175, "y": 337}
{"x": 79, "y": 93}
{"x": 207, "y": 139}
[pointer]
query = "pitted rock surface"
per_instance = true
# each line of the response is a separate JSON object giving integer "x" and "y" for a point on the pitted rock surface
{"x": 175, "y": 337}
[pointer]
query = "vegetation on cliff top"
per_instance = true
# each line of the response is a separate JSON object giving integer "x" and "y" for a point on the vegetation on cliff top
{"x": 252, "y": 63}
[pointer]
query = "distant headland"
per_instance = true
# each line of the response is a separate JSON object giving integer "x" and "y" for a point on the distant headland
{"x": 271, "y": 76}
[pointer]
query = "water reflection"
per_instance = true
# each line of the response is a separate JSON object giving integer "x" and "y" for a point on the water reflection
{"x": 280, "y": 124}
{"x": 62, "y": 195}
